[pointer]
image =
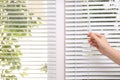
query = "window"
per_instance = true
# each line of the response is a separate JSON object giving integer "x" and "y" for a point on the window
{"x": 27, "y": 39}
{"x": 47, "y": 39}
{"x": 83, "y": 62}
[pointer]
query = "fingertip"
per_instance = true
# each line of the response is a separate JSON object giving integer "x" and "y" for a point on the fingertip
{"x": 89, "y": 34}
{"x": 94, "y": 36}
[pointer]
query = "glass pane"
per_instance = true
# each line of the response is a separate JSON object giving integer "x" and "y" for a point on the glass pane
{"x": 27, "y": 39}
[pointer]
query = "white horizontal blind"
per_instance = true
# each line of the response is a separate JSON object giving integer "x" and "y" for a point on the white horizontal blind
{"x": 83, "y": 62}
{"x": 27, "y": 39}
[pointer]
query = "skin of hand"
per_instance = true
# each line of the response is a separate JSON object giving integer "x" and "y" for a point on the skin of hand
{"x": 100, "y": 42}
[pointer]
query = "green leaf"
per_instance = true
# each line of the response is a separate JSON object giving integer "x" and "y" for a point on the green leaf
{"x": 23, "y": 74}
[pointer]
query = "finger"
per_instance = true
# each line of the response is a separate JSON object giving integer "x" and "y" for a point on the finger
{"x": 98, "y": 35}
{"x": 89, "y": 34}
{"x": 92, "y": 40}
{"x": 89, "y": 40}
{"x": 93, "y": 36}
{"x": 93, "y": 44}
{"x": 96, "y": 46}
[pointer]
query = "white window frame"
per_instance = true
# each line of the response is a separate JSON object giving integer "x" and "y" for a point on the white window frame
{"x": 60, "y": 40}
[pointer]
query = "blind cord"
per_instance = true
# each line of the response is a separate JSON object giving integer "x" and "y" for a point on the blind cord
{"x": 117, "y": 19}
{"x": 75, "y": 39}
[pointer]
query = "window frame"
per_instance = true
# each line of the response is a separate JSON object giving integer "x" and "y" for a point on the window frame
{"x": 60, "y": 39}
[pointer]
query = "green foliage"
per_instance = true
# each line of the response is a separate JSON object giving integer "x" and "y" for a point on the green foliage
{"x": 44, "y": 68}
{"x": 13, "y": 26}
{"x": 24, "y": 72}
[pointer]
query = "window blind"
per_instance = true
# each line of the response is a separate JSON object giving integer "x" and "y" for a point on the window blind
{"x": 27, "y": 39}
{"x": 83, "y": 62}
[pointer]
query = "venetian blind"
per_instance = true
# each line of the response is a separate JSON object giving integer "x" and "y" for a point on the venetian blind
{"x": 27, "y": 39}
{"x": 83, "y": 62}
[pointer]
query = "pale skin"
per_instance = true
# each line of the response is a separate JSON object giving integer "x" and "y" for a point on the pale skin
{"x": 100, "y": 42}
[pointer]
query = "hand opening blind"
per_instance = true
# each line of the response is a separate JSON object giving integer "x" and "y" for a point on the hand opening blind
{"x": 27, "y": 39}
{"x": 83, "y": 62}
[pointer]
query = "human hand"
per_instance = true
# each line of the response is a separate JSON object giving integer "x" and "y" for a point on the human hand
{"x": 100, "y": 42}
